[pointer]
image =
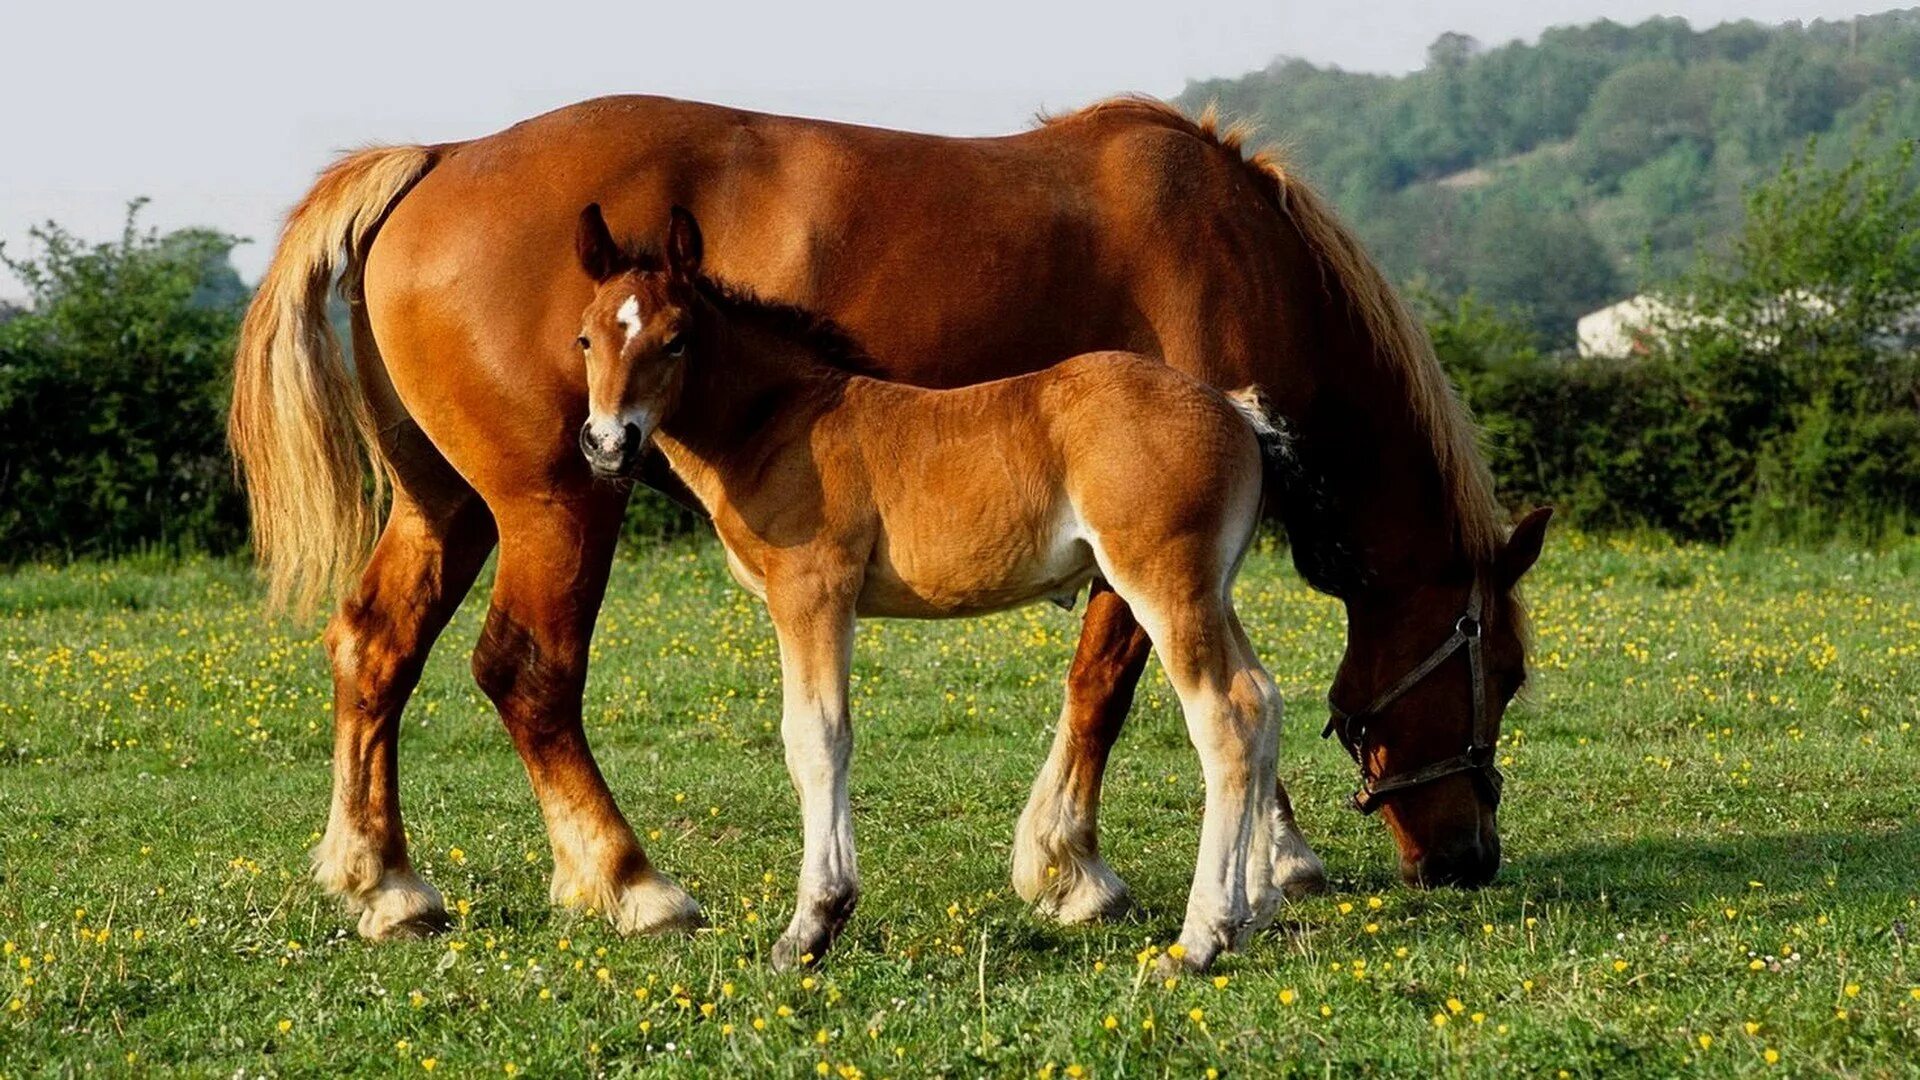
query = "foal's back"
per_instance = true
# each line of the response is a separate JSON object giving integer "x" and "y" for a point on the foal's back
{"x": 992, "y": 495}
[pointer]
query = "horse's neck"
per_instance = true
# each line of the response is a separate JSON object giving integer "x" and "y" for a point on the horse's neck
{"x": 1364, "y": 499}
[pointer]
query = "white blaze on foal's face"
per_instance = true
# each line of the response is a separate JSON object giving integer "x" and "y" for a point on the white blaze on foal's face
{"x": 629, "y": 319}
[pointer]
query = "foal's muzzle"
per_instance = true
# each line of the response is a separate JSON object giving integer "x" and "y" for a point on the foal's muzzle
{"x": 612, "y": 450}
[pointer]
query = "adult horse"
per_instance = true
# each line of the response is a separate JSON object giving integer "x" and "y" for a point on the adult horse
{"x": 1122, "y": 226}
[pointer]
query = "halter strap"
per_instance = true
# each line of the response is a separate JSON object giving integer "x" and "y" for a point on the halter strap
{"x": 1478, "y": 756}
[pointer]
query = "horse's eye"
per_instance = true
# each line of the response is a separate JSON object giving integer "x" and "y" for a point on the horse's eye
{"x": 676, "y": 346}
{"x": 583, "y": 342}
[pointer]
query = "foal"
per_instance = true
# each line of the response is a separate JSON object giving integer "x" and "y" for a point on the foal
{"x": 837, "y": 496}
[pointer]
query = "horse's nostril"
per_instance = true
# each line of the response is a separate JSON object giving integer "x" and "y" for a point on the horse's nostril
{"x": 1468, "y": 866}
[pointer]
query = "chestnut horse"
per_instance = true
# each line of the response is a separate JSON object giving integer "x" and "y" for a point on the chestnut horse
{"x": 1122, "y": 226}
{"x": 839, "y": 496}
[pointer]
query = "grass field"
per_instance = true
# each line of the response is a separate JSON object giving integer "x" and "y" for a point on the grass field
{"x": 1711, "y": 827}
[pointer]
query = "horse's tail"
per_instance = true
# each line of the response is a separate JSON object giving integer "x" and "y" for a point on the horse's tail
{"x": 301, "y": 432}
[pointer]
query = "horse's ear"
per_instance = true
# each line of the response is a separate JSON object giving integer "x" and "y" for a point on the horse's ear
{"x": 599, "y": 255}
{"x": 684, "y": 246}
{"x": 1522, "y": 548}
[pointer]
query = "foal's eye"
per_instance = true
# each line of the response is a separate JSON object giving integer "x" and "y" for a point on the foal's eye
{"x": 676, "y": 346}
{"x": 583, "y": 342}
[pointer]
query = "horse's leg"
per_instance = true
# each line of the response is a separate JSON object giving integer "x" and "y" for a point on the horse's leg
{"x": 1056, "y": 847}
{"x": 435, "y": 541}
{"x": 1233, "y": 718}
{"x": 816, "y": 645}
{"x": 555, "y": 551}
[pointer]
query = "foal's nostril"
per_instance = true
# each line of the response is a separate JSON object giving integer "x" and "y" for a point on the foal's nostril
{"x": 608, "y": 449}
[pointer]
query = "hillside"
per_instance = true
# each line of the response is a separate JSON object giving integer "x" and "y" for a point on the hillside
{"x": 1559, "y": 175}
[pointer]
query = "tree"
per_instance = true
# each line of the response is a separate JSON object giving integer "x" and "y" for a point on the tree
{"x": 1807, "y": 337}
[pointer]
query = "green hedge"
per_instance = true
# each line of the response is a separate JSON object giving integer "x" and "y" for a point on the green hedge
{"x": 1780, "y": 405}
{"x": 1782, "y": 401}
{"x": 113, "y": 391}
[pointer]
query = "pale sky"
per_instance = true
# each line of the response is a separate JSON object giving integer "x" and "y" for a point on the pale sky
{"x": 223, "y": 112}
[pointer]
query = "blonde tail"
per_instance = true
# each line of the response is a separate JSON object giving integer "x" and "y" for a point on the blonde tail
{"x": 301, "y": 433}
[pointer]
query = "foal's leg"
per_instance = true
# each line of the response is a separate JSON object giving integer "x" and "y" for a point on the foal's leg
{"x": 1294, "y": 870}
{"x": 1233, "y": 718}
{"x": 816, "y": 645}
{"x": 426, "y": 560}
{"x": 532, "y": 661}
{"x": 1056, "y": 847}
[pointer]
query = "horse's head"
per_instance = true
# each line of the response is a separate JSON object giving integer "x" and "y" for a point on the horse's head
{"x": 1428, "y": 672}
{"x": 635, "y": 335}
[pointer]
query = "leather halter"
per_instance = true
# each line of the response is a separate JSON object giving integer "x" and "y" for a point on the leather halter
{"x": 1477, "y": 759}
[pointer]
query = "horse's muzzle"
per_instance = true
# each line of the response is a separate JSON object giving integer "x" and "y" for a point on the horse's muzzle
{"x": 1467, "y": 865}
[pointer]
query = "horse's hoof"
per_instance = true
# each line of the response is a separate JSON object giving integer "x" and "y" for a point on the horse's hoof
{"x": 418, "y": 928}
{"x": 1094, "y": 898}
{"x": 656, "y": 905}
{"x": 402, "y": 908}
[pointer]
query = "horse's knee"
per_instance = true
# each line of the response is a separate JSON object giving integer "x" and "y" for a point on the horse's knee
{"x": 371, "y": 664}
{"x": 522, "y": 678}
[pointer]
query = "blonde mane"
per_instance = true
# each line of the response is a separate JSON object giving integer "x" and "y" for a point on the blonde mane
{"x": 1400, "y": 344}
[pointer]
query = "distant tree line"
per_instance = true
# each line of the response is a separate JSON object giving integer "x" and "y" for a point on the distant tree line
{"x": 1555, "y": 177}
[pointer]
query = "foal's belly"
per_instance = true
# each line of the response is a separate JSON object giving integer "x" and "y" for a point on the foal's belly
{"x": 971, "y": 568}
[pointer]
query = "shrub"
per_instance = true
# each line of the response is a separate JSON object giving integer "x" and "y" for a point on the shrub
{"x": 1783, "y": 400}
{"x": 113, "y": 388}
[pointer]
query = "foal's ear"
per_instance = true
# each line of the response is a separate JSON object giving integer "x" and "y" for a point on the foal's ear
{"x": 684, "y": 246}
{"x": 599, "y": 255}
{"x": 1522, "y": 548}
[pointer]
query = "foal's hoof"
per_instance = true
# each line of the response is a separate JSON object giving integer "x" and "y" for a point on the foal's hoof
{"x": 1180, "y": 960}
{"x": 813, "y": 930}
{"x": 797, "y": 951}
{"x": 1310, "y": 880}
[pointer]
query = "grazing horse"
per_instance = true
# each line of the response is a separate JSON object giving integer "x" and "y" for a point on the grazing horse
{"x": 1125, "y": 225}
{"x": 837, "y": 495}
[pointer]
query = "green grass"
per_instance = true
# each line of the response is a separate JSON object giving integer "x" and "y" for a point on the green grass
{"x": 1711, "y": 824}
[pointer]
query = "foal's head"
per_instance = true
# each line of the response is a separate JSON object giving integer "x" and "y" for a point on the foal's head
{"x": 635, "y": 335}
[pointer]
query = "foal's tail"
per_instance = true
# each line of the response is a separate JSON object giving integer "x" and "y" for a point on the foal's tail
{"x": 1271, "y": 432}
{"x": 302, "y": 435}
{"x": 1278, "y": 466}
